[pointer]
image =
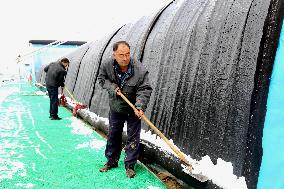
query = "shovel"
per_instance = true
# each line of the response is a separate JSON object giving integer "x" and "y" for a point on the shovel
{"x": 180, "y": 155}
{"x": 77, "y": 106}
{"x": 63, "y": 100}
{"x": 72, "y": 97}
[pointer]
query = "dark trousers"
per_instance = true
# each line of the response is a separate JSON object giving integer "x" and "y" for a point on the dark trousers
{"x": 54, "y": 101}
{"x": 114, "y": 141}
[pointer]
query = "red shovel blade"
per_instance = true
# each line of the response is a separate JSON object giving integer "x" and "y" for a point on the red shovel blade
{"x": 63, "y": 100}
{"x": 77, "y": 107}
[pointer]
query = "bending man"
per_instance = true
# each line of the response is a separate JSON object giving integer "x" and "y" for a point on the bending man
{"x": 55, "y": 78}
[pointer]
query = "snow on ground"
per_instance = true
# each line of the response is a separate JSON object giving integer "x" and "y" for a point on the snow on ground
{"x": 22, "y": 185}
{"x": 78, "y": 127}
{"x": 5, "y": 93}
{"x": 93, "y": 144}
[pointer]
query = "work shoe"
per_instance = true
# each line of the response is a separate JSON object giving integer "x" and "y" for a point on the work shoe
{"x": 107, "y": 167}
{"x": 130, "y": 173}
{"x": 55, "y": 118}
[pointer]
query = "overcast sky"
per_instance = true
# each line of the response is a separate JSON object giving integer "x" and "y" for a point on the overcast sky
{"x": 86, "y": 20}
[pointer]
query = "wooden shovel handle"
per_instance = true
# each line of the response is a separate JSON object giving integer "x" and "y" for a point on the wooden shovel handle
{"x": 72, "y": 97}
{"x": 158, "y": 132}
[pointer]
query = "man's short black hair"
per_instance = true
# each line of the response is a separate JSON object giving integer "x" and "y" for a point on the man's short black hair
{"x": 115, "y": 45}
{"x": 65, "y": 60}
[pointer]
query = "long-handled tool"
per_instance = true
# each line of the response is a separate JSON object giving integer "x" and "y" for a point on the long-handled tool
{"x": 181, "y": 156}
{"x": 77, "y": 106}
{"x": 72, "y": 97}
{"x": 62, "y": 100}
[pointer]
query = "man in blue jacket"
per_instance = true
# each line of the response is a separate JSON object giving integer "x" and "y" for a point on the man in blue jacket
{"x": 55, "y": 78}
{"x": 128, "y": 76}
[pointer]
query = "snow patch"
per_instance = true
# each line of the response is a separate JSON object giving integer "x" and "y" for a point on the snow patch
{"x": 79, "y": 127}
{"x": 5, "y": 93}
{"x": 95, "y": 117}
{"x": 28, "y": 185}
{"x": 8, "y": 168}
{"x": 153, "y": 187}
{"x": 93, "y": 144}
{"x": 220, "y": 174}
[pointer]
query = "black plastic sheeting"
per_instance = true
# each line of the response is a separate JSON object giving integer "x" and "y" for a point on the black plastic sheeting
{"x": 89, "y": 69}
{"x": 207, "y": 86}
{"x": 210, "y": 64}
{"x": 75, "y": 59}
{"x": 265, "y": 59}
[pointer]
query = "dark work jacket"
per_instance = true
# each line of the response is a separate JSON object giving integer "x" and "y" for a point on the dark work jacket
{"x": 136, "y": 88}
{"x": 55, "y": 75}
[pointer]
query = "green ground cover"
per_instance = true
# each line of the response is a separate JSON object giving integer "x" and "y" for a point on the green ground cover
{"x": 36, "y": 152}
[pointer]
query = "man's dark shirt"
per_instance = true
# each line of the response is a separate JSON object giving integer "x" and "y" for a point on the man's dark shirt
{"x": 55, "y": 74}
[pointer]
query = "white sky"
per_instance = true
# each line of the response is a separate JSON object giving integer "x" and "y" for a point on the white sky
{"x": 86, "y": 20}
